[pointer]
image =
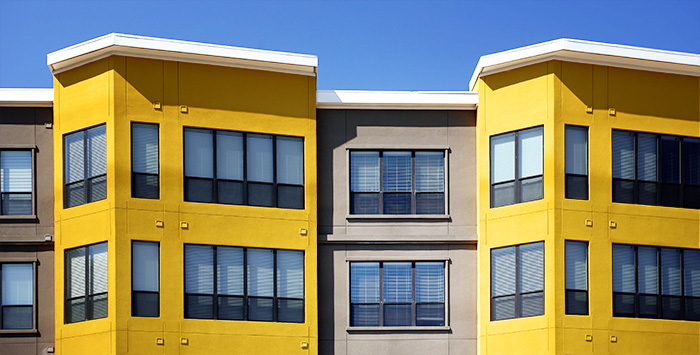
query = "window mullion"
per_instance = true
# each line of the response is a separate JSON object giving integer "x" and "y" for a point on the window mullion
{"x": 413, "y": 183}
{"x": 381, "y": 183}
{"x": 414, "y": 313}
{"x": 516, "y": 171}
{"x": 88, "y": 305}
{"x": 86, "y": 185}
{"x": 381, "y": 294}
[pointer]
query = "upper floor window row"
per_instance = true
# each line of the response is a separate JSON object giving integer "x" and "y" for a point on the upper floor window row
{"x": 16, "y": 183}
{"x": 244, "y": 168}
{"x": 85, "y": 166}
{"x": 654, "y": 169}
{"x": 517, "y": 167}
{"x": 397, "y": 182}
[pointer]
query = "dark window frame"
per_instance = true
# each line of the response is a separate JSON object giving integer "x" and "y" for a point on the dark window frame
{"x": 518, "y": 180}
{"x": 518, "y": 295}
{"x": 134, "y": 293}
{"x": 246, "y": 183}
{"x": 133, "y": 173}
{"x": 413, "y": 193}
{"x": 88, "y": 296}
{"x": 32, "y": 152}
{"x": 570, "y": 292}
{"x": 33, "y": 328}
{"x": 569, "y": 177}
{"x": 86, "y": 181}
{"x": 414, "y": 303}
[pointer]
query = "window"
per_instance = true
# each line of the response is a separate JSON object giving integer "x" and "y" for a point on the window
{"x": 16, "y": 183}
{"x": 244, "y": 168}
{"x": 397, "y": 182}
{"x": 397, "y": 293}
{"x": 576, "y": 162}
{"x": 656, "y": 282}
{"x": 144, "y": 161}
{"x": 576, "y": 277}
{"x": 17, "y": 296}
{"x": 145, "y": 279}
{"x": 233, "y": 283}
{"x": 653, "y": 169}
{"x": 86, "y": 283}
{"x": 516, "y": 167}
{"x": 517, "y": 281}
{"x": 85, "y": 166}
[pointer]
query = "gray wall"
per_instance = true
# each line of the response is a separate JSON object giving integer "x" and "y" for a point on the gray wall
{"x": 344, "y": 238}
{"x": 23, "y": 239}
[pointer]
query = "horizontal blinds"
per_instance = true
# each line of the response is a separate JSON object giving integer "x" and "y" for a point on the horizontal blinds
{"x": 576, "y": 265}
{"x": 199, "y": 157}
{"x": 647, "y": 157}
{"x": 17, "y": 284}
{"x": 531, "y": 267}
{"x": 76, "y": 272}
{"x": 144, "y": 148}
{"x": 397, "y": 286}
{"x": 259, "y": 154}
{"x": 97, "y": 151}
{"x": 199, "y": 269}
{"x": 623, "y": 155}
{"x": 229, "y": 271}
{"x": 98, "y": 268}
{"x": 430, "y": 171}
{"x": 260, "y": 272}
{"x": 623, "y": 268}
{"x": 670, "y": 271}
{"x": 396, "y": 172}
{"x": 16, "y": 171}
{"x": 503, "y": 158}
{"x": 290, "y": 160}
{"x": 364, "y": 171}
{"x": 503, "y": 271}
{"x": 74, "y": 144}
{"x": 530, "y": 152}
{"x": 691, "y": 269}
{"x": 364, "y": 282}
{"x": 430, "y": 282}
{"x": 229, "y": 155}
{"x": 576, "y": 150}
{"x": 145, "y": 260}
{"x": 648, "y": 270}
{"x": 290, "y": 274}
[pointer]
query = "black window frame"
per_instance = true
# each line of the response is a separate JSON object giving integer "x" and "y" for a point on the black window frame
{"x": 216, "y": 297}
{"x": 246, "y": 184}
{"x": 518, "y": 180}
{"x": 86, "y": 181}
{"x": 414, "y": 303}
{"x": 34, "y": 298}
{"x": 89, "y": 297}
{"x": 572, "y": 179}
{"x": 135, "y": 193}
{"x": 381, "y": 208}
{"x": 518, "y": 295}
{"x": 571, "y": 293}
{"x": 135, "y": 312}
{"x": 32, "y": 152}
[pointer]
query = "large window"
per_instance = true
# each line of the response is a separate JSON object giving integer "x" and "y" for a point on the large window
{"x": 516, "y": 167}
{"x": 85, "y": 166}
{"x": 656, "y": 282}
{"x": 576, "y": 254}
{"x": 517, "y": 281}
{"x": 86, "y": 283}
{"x": 397, "y": 182}
{"x": 144, "y": 161}
{"x": 17, "y": 296}
{"x": 233, "y": 283}
{"x": 653, "y": 169}
{"x": 145, "y": 279}
{"x": 244, "y": 168}
{"x": 576, "y": 162}
{"x": 16, "y": 183}
{"x": 397, "y": 293}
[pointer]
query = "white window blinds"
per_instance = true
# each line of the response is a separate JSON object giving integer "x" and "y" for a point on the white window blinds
{"x": 430, "y": 171}
{"x": 290, "y": 274}
{"x": 260, "y": 273}
{"x": 290, "y": 160}
{"x": 97, "y": 151}
{"x": 430, "y": 282}
{"x": 576, "y": 150}
{"x": 503, "y": 158}
{"x": 364, "y": 171}
{"x": 576, "y": 265}
{"x": 199, "y": 269}
{"x": 16, "y": 171}
{"x": 530, "y": 152}
{"x": 229, "y": 155}
{"x": 17, "y": 284}
{"x": 145, "y": 258}
{"x": 199, "y": 161}
{"x": 260, "y": 167}
{"x": 144, "y": 142}
{"x": 229, "y": 271}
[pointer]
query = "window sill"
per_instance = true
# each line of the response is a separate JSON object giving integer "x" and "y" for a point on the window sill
{"x": 24, "y": 218}
{"x": 18, "y": 331}
{"x": 439, "y": 217}
{"x": 399, "y": 329}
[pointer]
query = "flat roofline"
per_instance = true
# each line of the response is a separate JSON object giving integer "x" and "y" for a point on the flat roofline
{"x": 11, "y": 97}
{"x": 181, "y": 51}
{"x": 396, "y": 100}
{"x": 588, "y": 52}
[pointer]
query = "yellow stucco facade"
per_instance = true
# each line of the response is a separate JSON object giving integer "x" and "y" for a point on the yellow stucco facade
{"x": 553, "y": 94}
{"x": 118, "y": 90}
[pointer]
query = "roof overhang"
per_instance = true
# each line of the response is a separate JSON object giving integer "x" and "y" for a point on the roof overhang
{"x": 26, "y": 97}
{"x": 180, "y": 51}
{"x": 597, "y": 53}
{"x": 396, "y": 100}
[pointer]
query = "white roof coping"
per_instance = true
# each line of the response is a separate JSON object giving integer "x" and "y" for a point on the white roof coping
{"x": 588, "y": 52}
{"x": 26, "y": 97}
{"x": 396, "y": 100}
{"x": 181, "y": 51}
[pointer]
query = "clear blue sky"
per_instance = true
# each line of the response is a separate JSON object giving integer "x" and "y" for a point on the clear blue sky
{"x": 371, "y": 45}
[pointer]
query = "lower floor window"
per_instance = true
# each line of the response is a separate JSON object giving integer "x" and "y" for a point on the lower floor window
{"x": 397, "y": 293}
{"x": 234, "y": 283}
{"x": 17, "y": 296}
{"x": 517, "y": 281}
{"x": 86, "y": 283}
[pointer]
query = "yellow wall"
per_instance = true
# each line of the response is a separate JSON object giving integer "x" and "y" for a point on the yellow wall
{"x": 120, "y": 90}
{"x": 554, "y": 94}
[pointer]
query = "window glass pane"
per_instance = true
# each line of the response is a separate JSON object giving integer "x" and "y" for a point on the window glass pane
{"x": 397, "y": 315}
{"x": 199, "y": 269}
{"x": 16, "y": 171}
{"x": 290, "y": 160}
{"x": 430, "y": 314}
{"x": 691, "y": 268}
{"x": 503, "y": 158}
{"x": 530, "y": 152}
{"x": 430, "y": 282}
{"x": 97, "y": 151}
{"x": 623, "y": 268}
{"x": 145, "y": 260}
{"x": 199, "y": 153}
{"x": 260, "y": 272}
{"x": 76, "y": 272}
{"x": 364, "y": 315}
{"x": 98, "y": 268}
{"x": 290, "y": 274}
{"x": 671, "y": 271}
{"x": 430, "y": 203}
{"x": 397, "y": 282}
{"x": 648, "y": 270}
{"x": 364, "y": 171}
{"x": 17, "y": 317}
{"x": 670, "y": 153}
{"x": 576, "y": 150}
{"x": 17, "y": 284}
{"x": 229, "y": 271}
{"x": 364, "y": 282}
{"x": 646, "y": 157}
{"x": 396, "y": 171}
{"x": 691, "y": 161}
{"x": 229, "y": 155}
{"x": 503, "y": 271}
{"x": 397, "y": 203}
{"x": 576, "y": 265}
{"x": 623, "y": 155}
{"x": 290, "y": 310}
{"x": 144, "y": 148}
{"x": 74, "y": 157}
{"x": 531, "y": 267}
{"x": 532, "y": 304}
{"x": 260, "y": 158}
{"x": 430, "y": 171}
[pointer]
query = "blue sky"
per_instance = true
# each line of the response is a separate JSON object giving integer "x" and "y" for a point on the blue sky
{"x": 370, "y": 45}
